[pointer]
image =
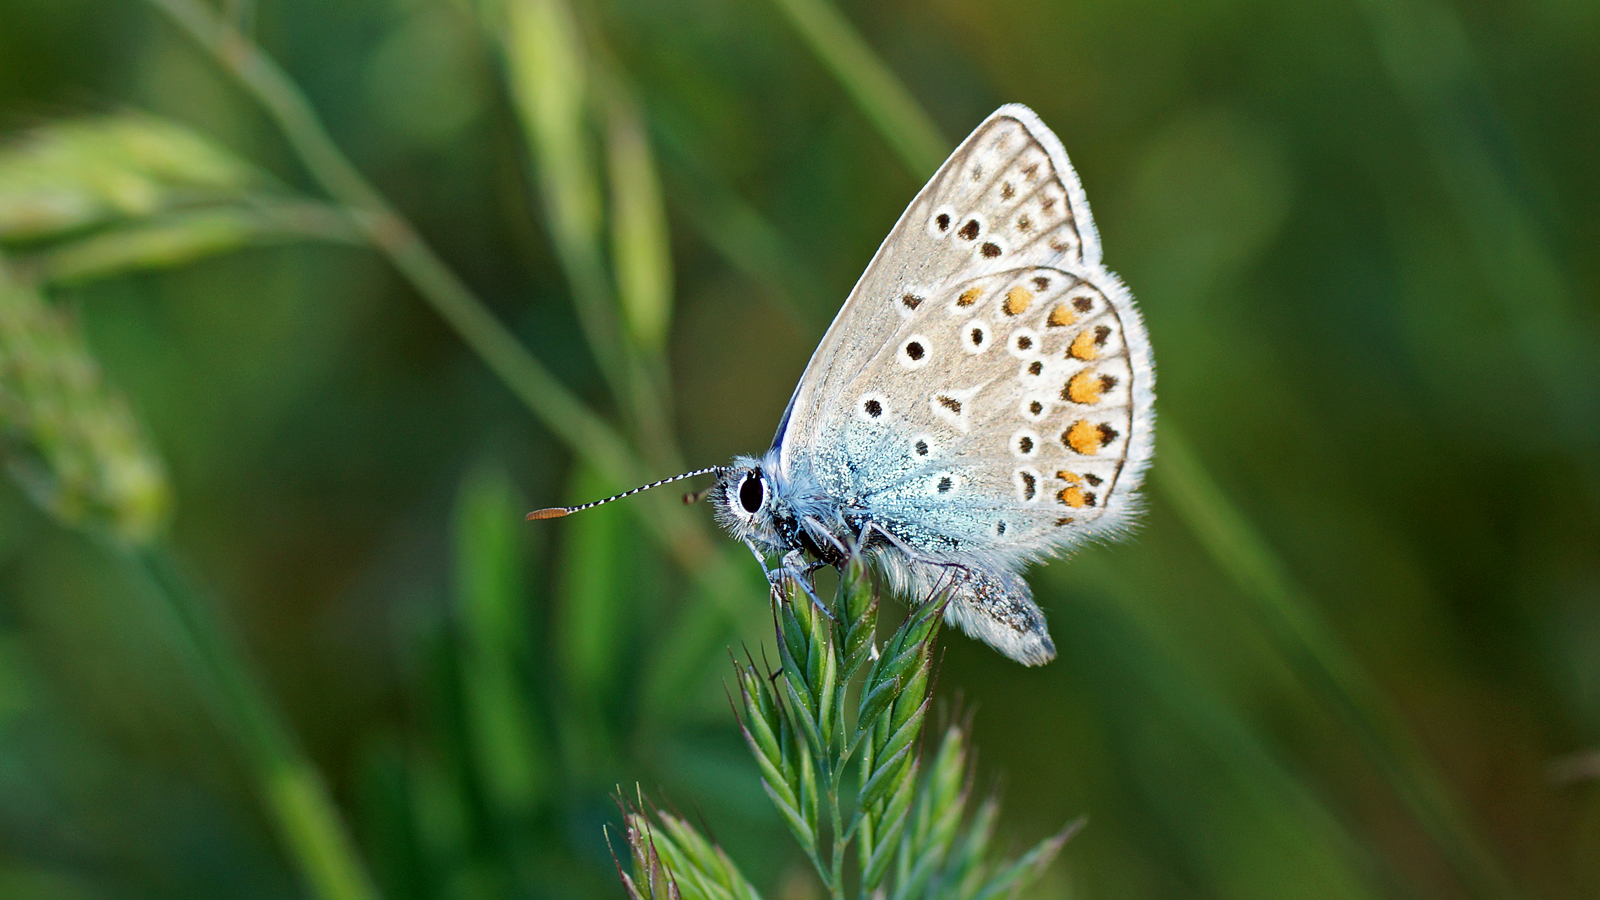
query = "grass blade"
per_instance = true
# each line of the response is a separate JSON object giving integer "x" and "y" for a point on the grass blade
{"x": 509, "y": 752}
{"x": 549, "y": 74}
{"x": 870, "y": 83}
{"x": 639, "y": 238}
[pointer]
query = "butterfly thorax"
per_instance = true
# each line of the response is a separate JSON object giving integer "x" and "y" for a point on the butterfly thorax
{"x": 762, "y": 507}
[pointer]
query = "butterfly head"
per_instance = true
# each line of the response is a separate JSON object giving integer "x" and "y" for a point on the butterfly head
{"x": 747, "y": 501}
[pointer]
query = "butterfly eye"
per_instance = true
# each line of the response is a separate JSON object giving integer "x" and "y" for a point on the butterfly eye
{"x": 752, "y": 492}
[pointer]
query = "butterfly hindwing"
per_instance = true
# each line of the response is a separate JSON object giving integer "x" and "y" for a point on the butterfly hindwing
{"x": 999, "y": 420}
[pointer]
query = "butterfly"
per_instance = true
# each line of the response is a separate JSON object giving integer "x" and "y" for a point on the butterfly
{"x": 984, "y": 400}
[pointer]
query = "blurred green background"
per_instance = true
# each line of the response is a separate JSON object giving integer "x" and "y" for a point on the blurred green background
{"x": 271, "y": 452}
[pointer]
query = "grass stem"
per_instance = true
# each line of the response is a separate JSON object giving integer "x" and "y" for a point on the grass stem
{"x": 871, "y": 84}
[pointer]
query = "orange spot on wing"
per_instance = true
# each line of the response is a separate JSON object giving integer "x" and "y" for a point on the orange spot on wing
{"x": 1061, "y": 315}
{"x": 1073, "y": 497}
{"x": 1083, "y": 437}
{"x": 968, "y": 297}
{"x": 1018, "y": 299}
{"x": 1069, "y": 478}
{"x": 1084, "y": 346}
{"x": 1085, "y": 388}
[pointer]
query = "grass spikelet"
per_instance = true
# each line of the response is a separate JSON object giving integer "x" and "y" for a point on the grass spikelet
{"x": 73, "y": 175}
{"x": 70, "y": 441}
{"x": 847, "y": 778}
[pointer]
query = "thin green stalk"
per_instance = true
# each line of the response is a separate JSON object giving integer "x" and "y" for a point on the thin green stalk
{"x": 549, "y": 73}
{"x": 182, "y": 237}
{"x": 870, "y": 83}
{"x": 842, "y": 832}
{"x": 1221, "y": 528}
{"x": 840, "y": 845}
{"x": 296, "y": 798}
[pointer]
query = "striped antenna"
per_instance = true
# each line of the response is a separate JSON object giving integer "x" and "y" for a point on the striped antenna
{"x": 556, "y": 512}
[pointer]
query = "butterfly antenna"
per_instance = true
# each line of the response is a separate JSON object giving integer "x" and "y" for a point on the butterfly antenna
{"x": 556, "y": 512}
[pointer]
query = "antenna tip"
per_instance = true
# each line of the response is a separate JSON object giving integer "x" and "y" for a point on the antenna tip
{"x": 554, "y": 512}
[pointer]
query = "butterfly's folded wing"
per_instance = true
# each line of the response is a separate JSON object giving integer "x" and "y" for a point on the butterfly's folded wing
{"x": 986, "y": 392}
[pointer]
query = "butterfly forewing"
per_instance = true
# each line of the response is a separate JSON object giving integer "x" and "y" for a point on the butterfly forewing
{"x": 1007, "y": 197}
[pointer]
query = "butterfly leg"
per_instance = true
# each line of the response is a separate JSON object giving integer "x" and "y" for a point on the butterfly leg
{"x": 796, "y": 567}
{"x": 819, "y": 530}
{"x": 907, "y": 549}
{"x": 793, "y": 567}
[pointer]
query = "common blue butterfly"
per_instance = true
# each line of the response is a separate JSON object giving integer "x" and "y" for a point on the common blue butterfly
{"x": 983, "y": 400}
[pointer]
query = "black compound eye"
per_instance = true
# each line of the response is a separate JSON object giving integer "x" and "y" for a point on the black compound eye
{"x": 751, "y": 492}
